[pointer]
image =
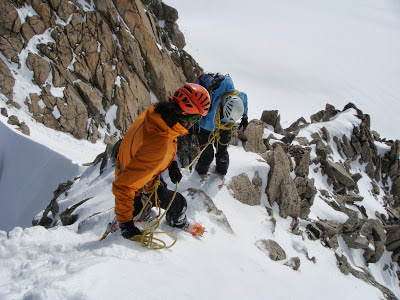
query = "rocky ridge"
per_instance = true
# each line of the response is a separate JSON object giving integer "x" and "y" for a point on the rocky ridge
{"x": 95, "y": 66}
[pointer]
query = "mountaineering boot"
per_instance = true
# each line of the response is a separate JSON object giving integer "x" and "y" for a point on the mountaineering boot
{"x": 194, "y": 228}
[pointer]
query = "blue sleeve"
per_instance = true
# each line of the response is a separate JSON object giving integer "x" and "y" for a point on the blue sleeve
{"x": 243, "y": 96}
{"x": 208, "y": 122}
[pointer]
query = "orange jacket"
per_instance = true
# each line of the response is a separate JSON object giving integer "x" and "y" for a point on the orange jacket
{"x": 146, "y": 151}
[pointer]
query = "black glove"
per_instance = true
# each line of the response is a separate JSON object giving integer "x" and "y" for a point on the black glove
{"x": 129, "y": 230}
{"x": 244, "y": 123}
{"x": 174, "y": 172}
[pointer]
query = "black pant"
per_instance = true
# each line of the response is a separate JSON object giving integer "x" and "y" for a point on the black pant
{"x": 175, "y": 216}
{"x": 221, "y": 155}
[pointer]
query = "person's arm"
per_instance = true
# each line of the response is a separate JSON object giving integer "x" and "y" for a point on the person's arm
{"x": 244, "y": 122}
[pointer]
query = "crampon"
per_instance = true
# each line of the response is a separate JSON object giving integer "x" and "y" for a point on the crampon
{"x": 194, "y": 228}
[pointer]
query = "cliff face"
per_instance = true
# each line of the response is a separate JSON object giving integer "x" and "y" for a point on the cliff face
{"x": 92, "y": 68}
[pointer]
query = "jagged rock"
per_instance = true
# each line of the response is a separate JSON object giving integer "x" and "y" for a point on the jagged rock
{"x": 90, "y": 97}
{"x": 24, "y": 129}
{"x": 216, "y": 215}
{"x": 294, "y": 263}
{"x": 13, "y": 120}
{"x": 355, "y": 241}
{"x": 295, "y": 227}
{"x": 325, "y": 134}
{"x": 281, "y": 188}
{"x": 347, "y": 147}
{"x": 327, "y": 231}
{"x": 252, "y": 137}
{"x": 339, "y": 173}
{"x": 288, "y": 138}
{"x": 117, "y": 54}
{"x": 329, "y": 228}
{"x": 74, "y": 115}
{"x": 303, "y": 141}
{"x": 67, "y": 218}
{"x": 373, "y": 255}
{"x": 7, "y": 81}
{"x": 53, "y": 207}
{"x": 324, "y": 115}
{"x": 393, "y": 241}
{"x": 364, "y": 275}
{"x": 4, "y": 112}
{"x": 301, "y": 122}
{"x": 273, "y": 118}
{"x": 350, "y": 198}
{"x": 313, "y": 232}
{"x": 10, "y": 40}
{"x": 375, "y": 188}
{"x": 369, "y": 235}
{"x": 302, "y": 159}
{"x": 272, "y": 248}
{"x": 307, "y": 191}
{"x": 40, "y": 68}
{"x": 246, "y": 191}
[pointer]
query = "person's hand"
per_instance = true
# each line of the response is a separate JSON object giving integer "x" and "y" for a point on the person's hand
{"x": 174, "y": 172}
{"x": 129, "y": 230}
{"x": 244, "y": 123}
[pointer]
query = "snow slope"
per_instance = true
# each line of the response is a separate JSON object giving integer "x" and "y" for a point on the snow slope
{"x": 295, "y": 58}
{"x": 70, "y": 262}
{"x": 31, "y": 167}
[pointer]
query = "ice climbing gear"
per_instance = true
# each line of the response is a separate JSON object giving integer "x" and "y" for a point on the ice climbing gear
{"x": 194, "y": 228}
{"x": 111, "y": 227}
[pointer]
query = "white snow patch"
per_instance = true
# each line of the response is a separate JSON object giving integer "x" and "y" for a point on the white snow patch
{"x": 24, "y": 12}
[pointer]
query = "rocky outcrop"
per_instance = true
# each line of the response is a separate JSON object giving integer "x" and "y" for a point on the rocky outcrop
{"x": 252, "y": 137}
{"x": 272, "y": 248}
{"x": 273, "y": 118}
{"x": 102, "y": 64}
{"x": 281, "y": 188}
{"x": 246, "y": 191}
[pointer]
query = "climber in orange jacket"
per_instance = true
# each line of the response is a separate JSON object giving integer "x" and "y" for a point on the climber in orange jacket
{"x": 148, "y": 149}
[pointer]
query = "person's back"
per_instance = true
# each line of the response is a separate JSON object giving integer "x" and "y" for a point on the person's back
{"x": 227, "y": 106}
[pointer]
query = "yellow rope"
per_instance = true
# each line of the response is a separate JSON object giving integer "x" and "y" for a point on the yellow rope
{"x": 221, "y": 126}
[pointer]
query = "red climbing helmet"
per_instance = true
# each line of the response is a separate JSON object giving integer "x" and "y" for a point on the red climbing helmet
{"x": 192, "y": 99}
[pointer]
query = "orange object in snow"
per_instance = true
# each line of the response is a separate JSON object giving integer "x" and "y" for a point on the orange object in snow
{"x": 195, "y": 228}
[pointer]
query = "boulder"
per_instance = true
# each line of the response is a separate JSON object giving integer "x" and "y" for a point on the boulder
{"x": 40, "y": 68}
{"x": 281, "y": 188}
{"x": 273, "y": 118}
{"x": 272, "y": 248}
{"x": 294, "y": 263}
{"x": 339, "y": 173}
{"x": 246, "y": 191}
{"x": 324, "y": 115}
{"x": 302, "y": 159}
{"x": 13, "y": 120}
{"x": 252, "y": 137}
